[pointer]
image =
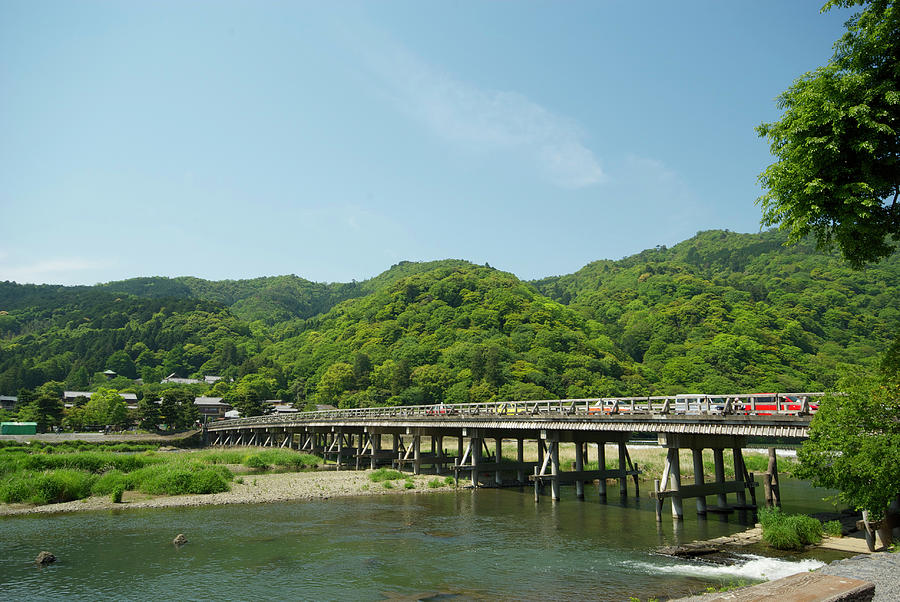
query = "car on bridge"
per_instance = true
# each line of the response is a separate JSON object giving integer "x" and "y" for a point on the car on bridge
{"x": 696, "y": 403}
{"x": 766, "y": 404}
{"x": 440, "y": 410}
{"x": 608, "y": 406}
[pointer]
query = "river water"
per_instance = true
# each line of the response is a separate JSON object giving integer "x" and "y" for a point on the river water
{"x": 484, "y": 544}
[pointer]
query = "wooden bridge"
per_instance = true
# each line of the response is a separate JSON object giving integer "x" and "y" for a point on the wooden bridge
{"x": 352, "y": 438}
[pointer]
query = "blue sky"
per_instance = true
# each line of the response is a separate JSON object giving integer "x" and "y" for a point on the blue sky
{"x": 331, "y": 140}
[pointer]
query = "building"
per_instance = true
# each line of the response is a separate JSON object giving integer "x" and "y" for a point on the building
{"x": 174, "y": 378}
{"x": 69, "y": 397}
{"x": 211, "y": 408}
{"x": 8, "y": 402}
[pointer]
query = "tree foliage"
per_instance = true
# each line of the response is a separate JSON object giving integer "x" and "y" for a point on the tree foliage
{"x": 719, "y": 312}
{"x": 838, "y": 143}
{"x": 854, "y": 444}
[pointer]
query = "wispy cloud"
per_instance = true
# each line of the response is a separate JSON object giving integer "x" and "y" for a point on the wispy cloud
{"x": 485, "y": 119}
{"x": 56, "y": 271}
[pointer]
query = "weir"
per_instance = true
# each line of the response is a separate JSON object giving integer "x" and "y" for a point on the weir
{"x": 413, "y": 438}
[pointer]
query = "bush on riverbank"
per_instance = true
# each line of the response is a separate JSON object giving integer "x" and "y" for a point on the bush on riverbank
{"x": 30, "y": 474}
{"x": 386, "y": 475}
{"x": 67, "y": 484}
{"x": 285, "y": 459}
{"x": 788, "y": 531}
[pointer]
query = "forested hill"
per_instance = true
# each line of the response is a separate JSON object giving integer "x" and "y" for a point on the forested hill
{"x": 270, "y": 299}
{"x": 719, "y": 312}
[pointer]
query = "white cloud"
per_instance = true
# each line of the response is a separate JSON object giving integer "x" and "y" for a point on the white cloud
{"x": 55, "y": 271}
{"x": 485, "y": 119}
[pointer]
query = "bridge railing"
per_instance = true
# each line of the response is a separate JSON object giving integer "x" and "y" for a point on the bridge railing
{"x": 599, "y": 408}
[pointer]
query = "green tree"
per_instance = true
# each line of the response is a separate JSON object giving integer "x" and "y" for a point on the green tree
{"x": 248, "y": 394}
{"x": 838, "y": 142}
{"x": 106, "y": 407}
{"x": 337, "y": 379}
{"x": 148, "y": 414}
{"x": 854, "y": 444}
{"x": 177, "y": 409}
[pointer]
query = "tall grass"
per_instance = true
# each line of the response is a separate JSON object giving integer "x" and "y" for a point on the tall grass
{"x": 49, "y": 487}
{"x": 788, "y": 531}
{"x": 385, "y": 475}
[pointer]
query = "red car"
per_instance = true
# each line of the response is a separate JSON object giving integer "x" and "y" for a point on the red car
{"x": 766, "y": 405}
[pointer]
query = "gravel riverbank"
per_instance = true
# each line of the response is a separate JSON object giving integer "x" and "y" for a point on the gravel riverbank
{"x": 254, "y": 489}
{"x": 881, "y": 568}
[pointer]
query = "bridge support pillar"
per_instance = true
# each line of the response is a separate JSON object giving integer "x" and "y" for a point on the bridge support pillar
{"x": 554, "y": 462}
{"x": 476, "y": 443}
{"x": 700, "y": 488}
{"x": 719, "y": 468}
{"x": 623, "y": 467}
{"x": 417, "y": 453}
{"x": 520, "y": 458}
{"x": 601, "y": 465}
{"x": 579, "y": 466}
{"x": 698, "y": 478}
{"x": 498, "y": 453}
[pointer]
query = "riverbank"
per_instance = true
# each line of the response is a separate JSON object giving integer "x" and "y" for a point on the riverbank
{"x": 246, "y": 489}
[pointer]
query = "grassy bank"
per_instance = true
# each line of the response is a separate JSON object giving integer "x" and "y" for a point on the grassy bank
{"x": 40, "y": 475}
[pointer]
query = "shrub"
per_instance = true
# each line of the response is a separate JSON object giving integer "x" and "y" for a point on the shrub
{"x": 61, "y": 486}
{"x": 788, "y": 531}
{"x": 409, "y": 485}
{"x": 833, "y": 528}
{"x": 256, "y": 462}
{"x": 449, "y": 480}
{"x": 387, "y": 484}
{"x": 435, "y": 483}
{"x": 180, "y": 479}
{"x": 385, "y": 474}
{"x": 108, "y": 482}
{"x": 116, "y": 494}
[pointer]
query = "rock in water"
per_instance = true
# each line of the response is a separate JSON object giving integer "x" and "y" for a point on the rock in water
{"x": 180, "y": 539}
{"x": 45, "y": 558}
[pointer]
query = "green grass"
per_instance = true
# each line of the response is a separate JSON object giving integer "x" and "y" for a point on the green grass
{"x": 180, "y": 479}
{"x": 435, "y": 483}
{"x": 117, "y": 492}
{"x": 788, "y": 531}
{"x": 49, "y": 487}
{"x": 385, "y": 475}
{"x": 833, "y": 528}
{"x": 387, "y": 485}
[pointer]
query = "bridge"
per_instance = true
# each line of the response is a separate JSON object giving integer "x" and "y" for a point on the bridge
{"x": 352, "y": 438}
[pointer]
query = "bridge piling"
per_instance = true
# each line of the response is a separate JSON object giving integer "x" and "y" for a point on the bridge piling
{"x": 698, "y": 478}
{"x": 601, "y": 465}
{"x": 520, "y": 458}
{"x": 579, "y": 467}
{"x": 498, "y": 458}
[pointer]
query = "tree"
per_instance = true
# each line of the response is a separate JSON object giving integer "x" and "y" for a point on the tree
{"x": 337, "y": 379}
{"x": 148, "y": 414}
{"x": 854, "y": 444}
{"x": 248, "y": 394}
{"x": 838, "y": 143}
{"x": 106, "y": 407}
{"x": 177, "y": 409}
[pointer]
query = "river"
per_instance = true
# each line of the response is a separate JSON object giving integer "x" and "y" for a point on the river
{"x": 489, "y": 543}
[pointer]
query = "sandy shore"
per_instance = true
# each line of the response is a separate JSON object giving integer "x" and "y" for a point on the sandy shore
{"x": 254, "y": 489}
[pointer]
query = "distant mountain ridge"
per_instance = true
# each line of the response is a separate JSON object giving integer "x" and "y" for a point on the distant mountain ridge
{"x": 721, "y": 311}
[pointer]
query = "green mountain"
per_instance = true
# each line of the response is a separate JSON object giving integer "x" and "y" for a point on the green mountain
{"x": 719, "y": 312}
